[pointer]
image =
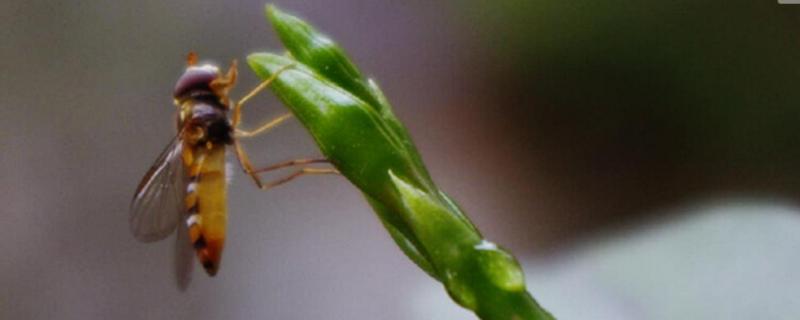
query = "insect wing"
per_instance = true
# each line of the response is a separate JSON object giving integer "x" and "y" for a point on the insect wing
{"x": 157, "y": 205}
{"x": 184, "y": 257}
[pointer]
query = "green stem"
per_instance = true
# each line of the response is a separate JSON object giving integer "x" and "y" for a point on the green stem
{"x": 353, "y": 124}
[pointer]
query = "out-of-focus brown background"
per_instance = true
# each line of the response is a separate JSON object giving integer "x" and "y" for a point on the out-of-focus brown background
{"x": 640, "y": 158}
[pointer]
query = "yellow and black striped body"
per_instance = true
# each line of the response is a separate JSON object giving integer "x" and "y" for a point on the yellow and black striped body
{"x": 205, "y": 131}
{"x": 206, "y": 202}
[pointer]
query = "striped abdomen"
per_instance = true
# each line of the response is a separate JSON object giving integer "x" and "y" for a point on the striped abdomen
{"x": 205, "y": 202}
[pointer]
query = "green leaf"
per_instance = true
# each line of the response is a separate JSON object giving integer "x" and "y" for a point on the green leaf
{"x": 320, "y": 53}
{"x": 401, "y": 237}
{"x": 324, "y": 56}
{"x": 349, "y": 132}
{"x": 352, "y": 122}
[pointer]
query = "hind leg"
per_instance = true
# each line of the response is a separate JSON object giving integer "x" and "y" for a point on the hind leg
{"x": 247, "y": 166}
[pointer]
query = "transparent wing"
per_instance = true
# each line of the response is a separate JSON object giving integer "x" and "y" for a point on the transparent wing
{"x": 157, "y": 205}
{"x": 184, "y": 257}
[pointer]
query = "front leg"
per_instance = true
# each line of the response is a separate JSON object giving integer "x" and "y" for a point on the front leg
{"x": 237, "y": 108}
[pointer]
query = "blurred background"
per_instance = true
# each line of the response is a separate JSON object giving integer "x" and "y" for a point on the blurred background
{"x": 639, "y": 157}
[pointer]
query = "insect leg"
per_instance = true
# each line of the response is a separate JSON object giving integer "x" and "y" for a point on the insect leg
{"x": 247, "y": 166}
{"x": 244, "y": 161}
{"x": 222, "y": 85}
{"x": 237, "y": 108}
{"x": 291, "y": 163}
{"x": 265, "y": 127}
{"x": 296, "y": 174}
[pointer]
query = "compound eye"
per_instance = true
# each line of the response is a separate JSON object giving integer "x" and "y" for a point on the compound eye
{"x": 195, "y": 78}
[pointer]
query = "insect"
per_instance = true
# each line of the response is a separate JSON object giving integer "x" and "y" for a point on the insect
{"x": 185, "y": 189}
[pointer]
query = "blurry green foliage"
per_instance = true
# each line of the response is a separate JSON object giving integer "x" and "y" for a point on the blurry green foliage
{"x": 688, "y": 82}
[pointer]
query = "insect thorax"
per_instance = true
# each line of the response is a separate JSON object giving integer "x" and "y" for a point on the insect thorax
{"x": 203, "y": 120}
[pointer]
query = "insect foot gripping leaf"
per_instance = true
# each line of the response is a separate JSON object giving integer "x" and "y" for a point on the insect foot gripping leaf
{"x": 352, "y": 122}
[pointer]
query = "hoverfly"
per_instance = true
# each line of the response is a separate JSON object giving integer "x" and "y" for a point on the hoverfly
{"x": 185, "y": 189}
